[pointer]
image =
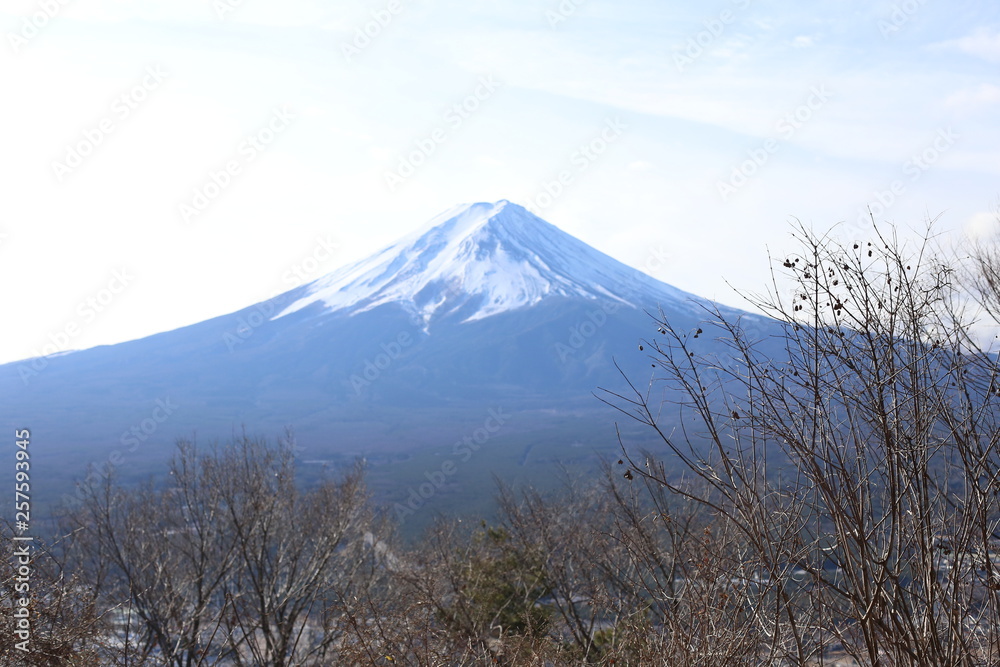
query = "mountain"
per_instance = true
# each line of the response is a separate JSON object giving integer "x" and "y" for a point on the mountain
{"x": 483, "y": 260}
{"x": 476, "y": 341}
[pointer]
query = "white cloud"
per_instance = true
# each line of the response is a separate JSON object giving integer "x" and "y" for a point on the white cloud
{"x": 488, "y": 161}
{"x": 641, "y": 165}
{"x": 975, "y": 99}
{"x": 982, "y": 225}
{"x": 982, "y": 43}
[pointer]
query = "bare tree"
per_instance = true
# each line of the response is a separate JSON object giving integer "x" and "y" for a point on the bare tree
{"x": 228, "y": 563}
{"x": 640, "y": 577}
{"x": 296, "y": 553}
{"x": 162, "y": 552}
{"x": 63, "y": 624}
{"x": 858, "y": 467}
{"x": 978, "y": 262}
{"x": 463, "y": 596}
{"x": 570, "y": 536}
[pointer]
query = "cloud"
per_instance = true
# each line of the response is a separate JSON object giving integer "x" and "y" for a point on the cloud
{"x": 290, "y": 13}
{"x": 975, "y": 99}
{"x": 488, "y": 161}
{"x": 641, "y": 165}
{"x": 982, "y": 43}
{"x": 982, "y": 225}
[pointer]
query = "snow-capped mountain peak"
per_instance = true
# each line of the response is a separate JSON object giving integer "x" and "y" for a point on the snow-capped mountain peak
{"x": 482, "y": 259}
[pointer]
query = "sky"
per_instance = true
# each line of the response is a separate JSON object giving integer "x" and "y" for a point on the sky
{"x": 168, "y": 161}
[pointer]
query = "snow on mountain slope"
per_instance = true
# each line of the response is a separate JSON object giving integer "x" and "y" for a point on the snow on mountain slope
{"x": 484, "y": 259}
